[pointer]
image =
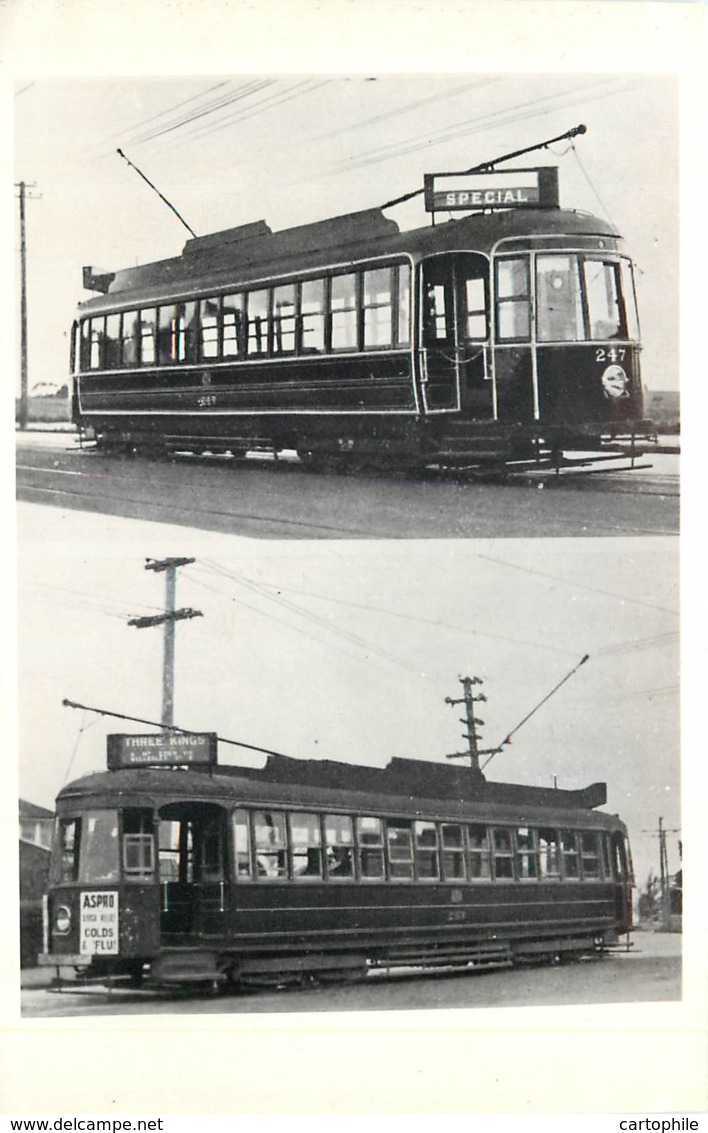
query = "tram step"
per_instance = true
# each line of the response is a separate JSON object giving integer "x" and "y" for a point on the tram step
{"x": 185, "y": 967}
{"x": 480, "y": 953}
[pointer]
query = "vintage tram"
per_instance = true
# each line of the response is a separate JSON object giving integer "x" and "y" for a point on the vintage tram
{"x": 508, "y": 334}
{"x": 309, "y": 870}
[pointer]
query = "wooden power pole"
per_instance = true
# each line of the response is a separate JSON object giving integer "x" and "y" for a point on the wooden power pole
{"x": 24, "y": 413}
{"x": 171, "y": 615}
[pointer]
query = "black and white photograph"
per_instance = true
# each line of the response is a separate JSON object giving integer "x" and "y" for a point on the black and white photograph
{"x": 347, "y": 470}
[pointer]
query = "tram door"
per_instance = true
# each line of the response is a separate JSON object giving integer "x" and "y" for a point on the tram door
{"x": 194, "y": 892}
{"x": 455, "y": 330}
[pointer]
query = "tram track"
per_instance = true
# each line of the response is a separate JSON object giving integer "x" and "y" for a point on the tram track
{"x": 264, "y": 499}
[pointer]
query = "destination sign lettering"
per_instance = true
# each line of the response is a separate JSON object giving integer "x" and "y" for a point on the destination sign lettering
{"x": 515, "y": 188}
{"x": 164, "y": 749}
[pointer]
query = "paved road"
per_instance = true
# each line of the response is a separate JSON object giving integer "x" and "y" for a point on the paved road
{"x": 651, "y": 972}
{"x": 285, "y": 501}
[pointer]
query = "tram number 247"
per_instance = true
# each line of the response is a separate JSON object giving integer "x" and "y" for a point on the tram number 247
{"x": 613, "y": 354}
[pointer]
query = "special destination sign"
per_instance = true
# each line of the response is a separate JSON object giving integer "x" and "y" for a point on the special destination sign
{"x": 512, "y": 188}
{"x": 162, "y": 749}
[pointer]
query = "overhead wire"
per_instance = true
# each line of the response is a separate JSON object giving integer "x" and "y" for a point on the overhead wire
{"x": 347, "y": 635}
{"x": 580, "y": 585}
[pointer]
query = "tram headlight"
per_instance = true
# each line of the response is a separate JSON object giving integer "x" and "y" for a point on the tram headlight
{"x": 615, "y": 382}
{"x": 62, "y": 920}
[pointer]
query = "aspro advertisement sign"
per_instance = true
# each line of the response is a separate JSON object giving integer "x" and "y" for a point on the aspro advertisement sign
{"x": 509, "y": 188}
{"x": 162, "y": 749}
{"x": 98, "y": 923}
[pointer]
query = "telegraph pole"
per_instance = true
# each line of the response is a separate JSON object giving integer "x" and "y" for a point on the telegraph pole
{"x": 23, "y": 187}
{"x": 473, "y": 753}
{"x": 664, "y": 875}
{"x": 169, "y": 567}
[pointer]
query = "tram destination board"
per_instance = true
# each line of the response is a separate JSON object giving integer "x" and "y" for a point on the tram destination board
{"x": 168, "y": 749}
{"x": 515, "y": 188}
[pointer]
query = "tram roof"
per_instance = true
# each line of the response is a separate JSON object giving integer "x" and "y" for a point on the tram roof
{"x": 252, "y": 252}
{"x": 404, "y": 786}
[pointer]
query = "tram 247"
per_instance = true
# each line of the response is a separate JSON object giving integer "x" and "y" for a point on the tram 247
{"x": 501, "y": 336}
{"x": 323, "y": 870}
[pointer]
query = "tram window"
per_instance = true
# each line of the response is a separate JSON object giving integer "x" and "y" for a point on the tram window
{"x": 271, "y": 845}
{"x": 427, "y": 860}
{"x": 284, "y": 319}
{"x": 242, "y": 845}
{"x": 503, "y": 854}
{"x": 400, "y": 850}
{"x": 549, "y": 853}
{"x": 166, "y": 332}
{"x": 306, "y": 846}
{"x": 233, "y": 343}
{"x": 526, "y": 854}
{"x": 339, "y": 844}
{"x": 377, "y": 303}
{"x": 589, "y": 855}
{"x": 97, "y": 329}
{"x": 628, "y": 860}
{"x": 558, "y": 301}
{"x": 112, "y": 344}
{"x": 513, "y": 303}
{"x": 65, "y": 856}
{"x": 85, "y": 345}
{"x": 475, "y": 309}
{"x": 209, "y": 328}
{"x": 344, "y": 312}
{"x": 630, "y": 300}
{"x": 453, "y": 853}
{"x": 185, "y": 332}
{"x": 569, "y": 852}
{"x": 99, "y": 857}
{"x": 370, "y": 838}
{"x": 177, "y": 333}
{"x": 620, "y": 861}
{"x": 607, "y": 856}
{"x": 437, "y": 325}
{"x": 258, "y": 303}
{"x": 148, "y": 333}
{"x": 312, "y": 316}
{"x": 138, "y": 843}
{"x": 130, "y": 332}
{"x": 168, "y": 849}
{"x": 209, "y": 841}
{"x": 602, "y": 292}
{"x": 403, "y": 274}
{"x": 479, "y": 855}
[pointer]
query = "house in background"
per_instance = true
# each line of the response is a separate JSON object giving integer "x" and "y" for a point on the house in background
{"x": 36, "y": 825}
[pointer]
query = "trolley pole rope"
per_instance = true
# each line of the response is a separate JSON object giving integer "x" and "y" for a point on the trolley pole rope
{"x": 168, "y": 728}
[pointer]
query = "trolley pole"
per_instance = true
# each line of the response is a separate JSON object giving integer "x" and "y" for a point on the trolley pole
{"x": 24, "y": 413}
{"x": 169, "y": 567}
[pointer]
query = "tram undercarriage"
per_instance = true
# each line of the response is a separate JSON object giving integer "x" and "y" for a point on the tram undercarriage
{"x": 414, "y": 446}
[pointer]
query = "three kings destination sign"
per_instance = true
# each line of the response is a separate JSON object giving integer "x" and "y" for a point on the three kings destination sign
{"x": 498, "y": 189}
{"x": 162, "y": 749}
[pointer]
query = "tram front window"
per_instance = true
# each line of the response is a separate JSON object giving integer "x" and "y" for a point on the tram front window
{"x": 584, "y": 299}
{"x": 99, "y": 859}
{"x": 560, "y": 309}
{"x": 602, "y": 290}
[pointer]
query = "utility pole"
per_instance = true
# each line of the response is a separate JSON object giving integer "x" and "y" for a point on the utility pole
{"x": 23, "y": 415}
{"x": 664, "y": 875}
{"x": 168, "y": 619}
{"x": 473, "y": 753}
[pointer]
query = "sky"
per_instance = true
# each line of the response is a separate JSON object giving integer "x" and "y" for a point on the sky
{"x": 291, "y": 149}
{"x": 347, "y": 651}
